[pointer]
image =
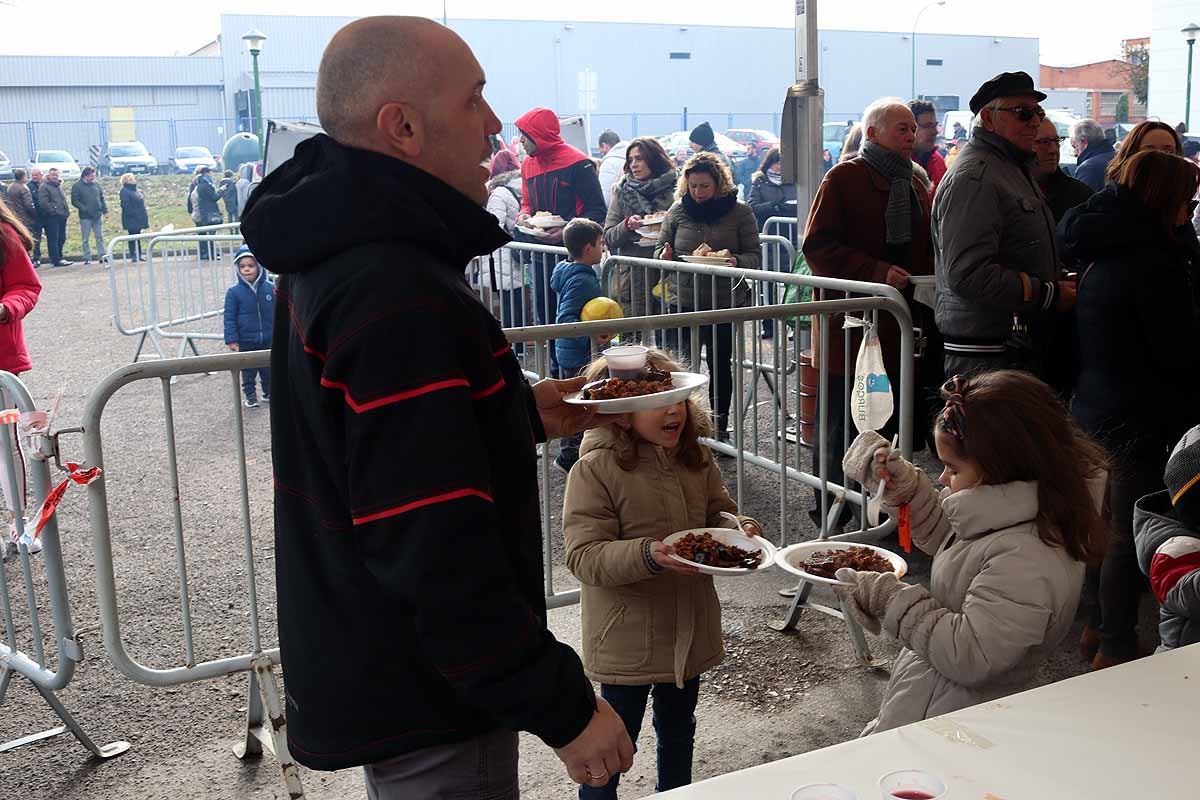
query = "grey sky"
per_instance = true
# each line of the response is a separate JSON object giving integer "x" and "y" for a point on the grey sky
{"x": 1069, "y": 32}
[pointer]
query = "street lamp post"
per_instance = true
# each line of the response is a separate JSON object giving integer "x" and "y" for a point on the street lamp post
{"x": 1189, "y": 33}
{"x": 254, "y": 41}
{"x": 928, "y": 6}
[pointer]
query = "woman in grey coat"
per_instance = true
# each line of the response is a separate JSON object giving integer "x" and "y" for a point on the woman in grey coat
{"x": 646, "y": 187}
{"x": 1009, "y": 535}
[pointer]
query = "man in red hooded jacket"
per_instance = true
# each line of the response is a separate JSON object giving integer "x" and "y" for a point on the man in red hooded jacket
{"x": 559, "y": 179}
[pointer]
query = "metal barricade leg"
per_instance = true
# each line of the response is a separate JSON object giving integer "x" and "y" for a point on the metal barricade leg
{"x": 266, "y": 725}
{"x": 69, "y": 724}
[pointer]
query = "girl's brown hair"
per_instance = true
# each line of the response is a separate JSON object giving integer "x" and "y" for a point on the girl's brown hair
{"x": 9, "y": 221}
{"x": 1132, "y": 145}
{"x": 706, "y": 164}
{"x": 690, "y": 453}
{"x": 1163, "y": 182}
{"x": 1017, "y": 429}
{"x": 655, "y": 156}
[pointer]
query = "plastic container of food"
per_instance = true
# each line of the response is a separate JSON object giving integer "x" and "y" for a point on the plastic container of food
{"x": 626, "y": 361}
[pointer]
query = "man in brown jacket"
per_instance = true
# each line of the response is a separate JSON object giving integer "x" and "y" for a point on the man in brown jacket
{"x": 20, "y": 200}
{"x": 870, "y": 222}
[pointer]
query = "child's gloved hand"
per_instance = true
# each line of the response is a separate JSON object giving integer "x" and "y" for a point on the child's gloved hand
{"x": 859, "y": 461}
{"x": 867, "y": 596}
{"x": 872, "y": 459}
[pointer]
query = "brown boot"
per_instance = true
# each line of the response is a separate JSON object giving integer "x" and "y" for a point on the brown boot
{"x": 1089, "y": 643}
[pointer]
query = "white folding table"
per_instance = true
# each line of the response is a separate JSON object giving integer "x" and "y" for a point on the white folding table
{"x": 1131, "y": 731}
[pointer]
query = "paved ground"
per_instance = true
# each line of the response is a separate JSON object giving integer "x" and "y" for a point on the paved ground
{"x": 775, "y": 695}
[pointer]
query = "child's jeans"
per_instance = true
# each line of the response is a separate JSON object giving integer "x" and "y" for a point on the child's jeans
{"x": 263, "y": 373}
{"x": 674, "y": 725}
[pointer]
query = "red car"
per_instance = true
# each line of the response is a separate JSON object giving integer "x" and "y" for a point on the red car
{"x": 757, "y": 142}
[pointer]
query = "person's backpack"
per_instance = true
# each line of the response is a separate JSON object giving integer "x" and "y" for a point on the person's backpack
{"x": 194, "y": 201}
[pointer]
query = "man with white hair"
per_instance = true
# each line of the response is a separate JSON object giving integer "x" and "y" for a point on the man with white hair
{"x": 1092, "y": 153}
{"x": 870, "y": 222}
{"x": 998, "y": 283}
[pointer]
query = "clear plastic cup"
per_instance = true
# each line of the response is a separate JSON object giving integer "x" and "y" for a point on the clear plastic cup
{"x": 626, "y": 361}
{"x": 912, "y": 784}
{"x": 824, "y": 791}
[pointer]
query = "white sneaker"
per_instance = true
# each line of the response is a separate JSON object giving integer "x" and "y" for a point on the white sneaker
{"x": 34, "y": 546}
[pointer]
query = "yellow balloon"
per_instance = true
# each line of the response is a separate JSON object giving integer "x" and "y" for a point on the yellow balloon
{"x": 600, "y": 308}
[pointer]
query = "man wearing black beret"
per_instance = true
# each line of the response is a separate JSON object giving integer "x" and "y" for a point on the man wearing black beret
{"x": 998, "y": 284}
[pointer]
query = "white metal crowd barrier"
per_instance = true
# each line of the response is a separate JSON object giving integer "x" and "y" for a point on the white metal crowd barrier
{"x": 176, "y": 288}
{"x": 265, "y": 726}
{"x": 49, "y": 660}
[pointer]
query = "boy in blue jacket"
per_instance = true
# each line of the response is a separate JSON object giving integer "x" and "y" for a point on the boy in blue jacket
{"x": 575, "y": 283}
{"x": 249, "y": 307}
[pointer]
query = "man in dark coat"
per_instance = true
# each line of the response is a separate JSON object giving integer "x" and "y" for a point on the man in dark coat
{"x": 412, "y": 620}
{"x": 703, "y": 140}
{"x": 1092, "y": 152}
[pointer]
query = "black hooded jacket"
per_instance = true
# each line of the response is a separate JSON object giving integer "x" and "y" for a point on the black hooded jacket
{"x": 1138, "y": 369}
{"x": 408, "y": 546}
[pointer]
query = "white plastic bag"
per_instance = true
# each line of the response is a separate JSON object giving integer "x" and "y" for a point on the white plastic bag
{"x": 871, "y": 402}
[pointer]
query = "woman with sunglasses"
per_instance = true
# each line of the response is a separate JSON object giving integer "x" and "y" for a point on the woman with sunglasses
{"x": 1136, "y": 388}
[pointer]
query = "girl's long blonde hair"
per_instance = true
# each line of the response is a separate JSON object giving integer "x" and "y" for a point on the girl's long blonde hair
{"x": 690, "y": 453}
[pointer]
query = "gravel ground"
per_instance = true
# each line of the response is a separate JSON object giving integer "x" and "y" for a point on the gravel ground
{"x": 775, "y": 695}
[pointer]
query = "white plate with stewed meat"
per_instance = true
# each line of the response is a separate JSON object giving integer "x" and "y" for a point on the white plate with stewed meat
{"x": 795, "y": 559}
{"x": 711, "y": 546}
{"x": 682, "y": 386}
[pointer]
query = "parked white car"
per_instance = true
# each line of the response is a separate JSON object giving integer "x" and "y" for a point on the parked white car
{"x": 60, "y": 160}
{"x": 5, "y": 166}
{"x": 186, "y": 159}
{"x": 1063, "y": 121}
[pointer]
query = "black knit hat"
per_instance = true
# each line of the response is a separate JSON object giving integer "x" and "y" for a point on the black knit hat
{"x": 1006, "y": 84}
{"x": 703, "y": 135}
{"x": 1182, "y": 477}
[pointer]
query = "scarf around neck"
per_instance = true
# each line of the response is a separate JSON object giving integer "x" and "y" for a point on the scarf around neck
{"x": 638, "y": 196}
{"x": 709, "y": 211}
{"x": 899, "y": 171}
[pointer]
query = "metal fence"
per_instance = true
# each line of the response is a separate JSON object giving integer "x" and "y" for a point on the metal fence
{"x": 46, "y": 656}
{"x": 178, "y": 291}
{"x": 265, "y": 725}
{"x": 20, "y": 140}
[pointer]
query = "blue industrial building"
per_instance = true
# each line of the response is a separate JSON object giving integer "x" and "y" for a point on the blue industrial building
{"x": 730, "y": 76}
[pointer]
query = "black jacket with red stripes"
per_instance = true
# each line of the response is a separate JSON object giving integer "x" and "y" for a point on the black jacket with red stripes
{"x": 408, "y": 547}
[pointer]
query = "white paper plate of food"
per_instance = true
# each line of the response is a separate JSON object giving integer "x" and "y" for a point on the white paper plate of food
{"x": 535, "y": 232}
{"x": 712, "y": 261}
{"x": 647, "y": 242}
{"x": 707, "y": 548}
{"x": 651, "y": 231}
{"x": 545, "y": 220}
{"x": 817, "y": 562}
{"x": 654, "y": 219}
{"x": 616, "y": 396}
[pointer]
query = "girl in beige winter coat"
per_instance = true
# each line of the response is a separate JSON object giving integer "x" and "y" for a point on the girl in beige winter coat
{"x": 1010, "y": 536}
{"x": 651, "y": 625}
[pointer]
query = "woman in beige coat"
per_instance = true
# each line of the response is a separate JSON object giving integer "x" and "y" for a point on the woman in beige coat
{"x": 1009, "y": 535}
{"x": 651, "y": 625}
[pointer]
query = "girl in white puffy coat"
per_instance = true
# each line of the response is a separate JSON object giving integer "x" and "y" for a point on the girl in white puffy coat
{"x": 1010, "y": 536}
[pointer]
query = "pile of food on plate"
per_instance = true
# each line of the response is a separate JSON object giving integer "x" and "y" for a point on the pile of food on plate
{"x": 704, "y": 549}
{"x": 651, "y": 381}
{"x": 705, "y": 250}
{"x": 826, "y": 563}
